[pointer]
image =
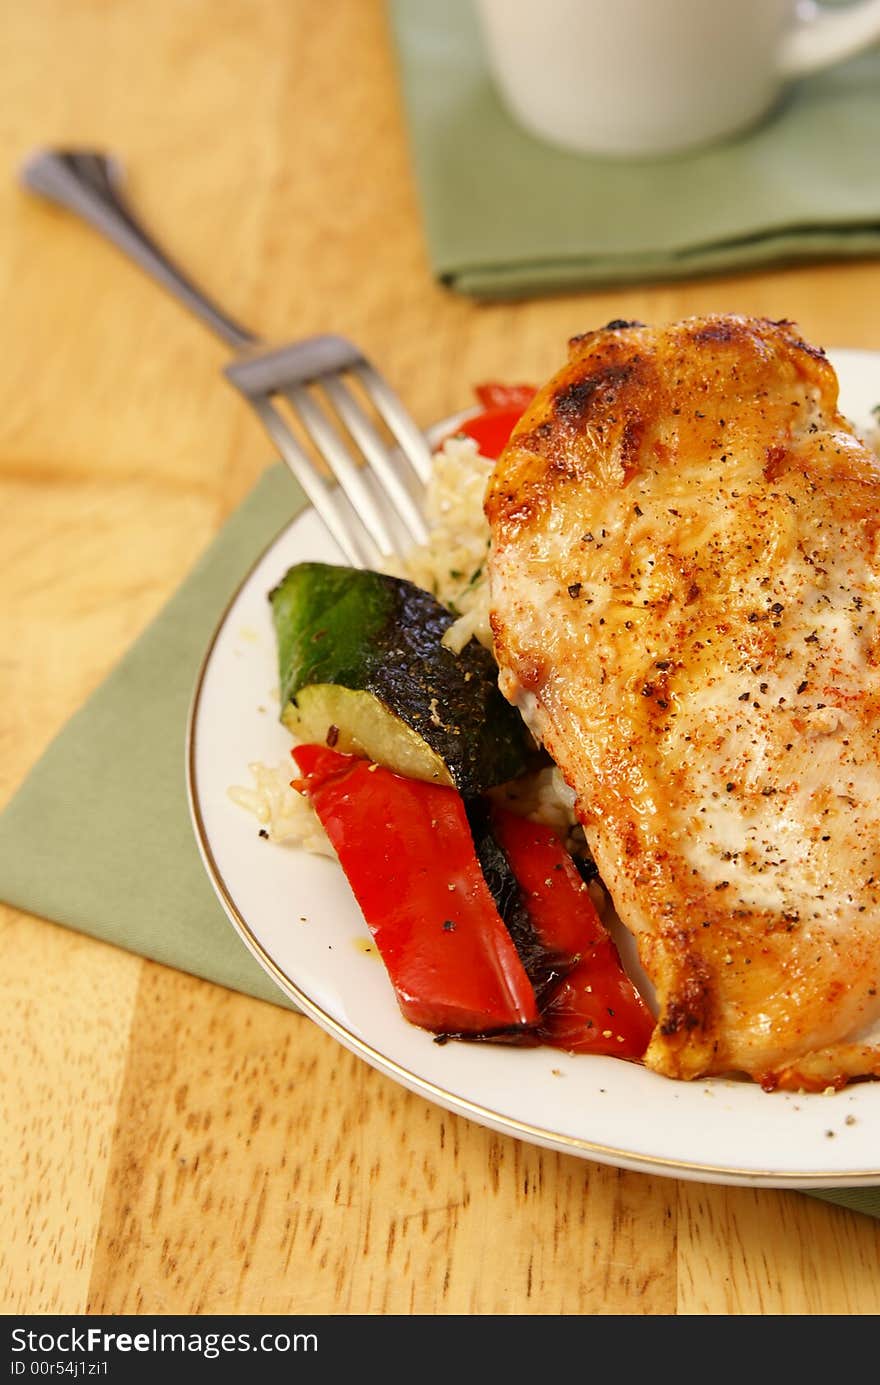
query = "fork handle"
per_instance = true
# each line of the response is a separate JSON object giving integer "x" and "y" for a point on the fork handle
{"x": 89, "y": 184}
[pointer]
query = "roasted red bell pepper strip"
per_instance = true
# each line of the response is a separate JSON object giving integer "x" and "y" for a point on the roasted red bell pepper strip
{"x": 554, "y": 892}
{"x": 491, "y": 430}
{"x": 503, "y": 407}
{"x": 406, "y": 849}
{"x": 595, "y": 1008}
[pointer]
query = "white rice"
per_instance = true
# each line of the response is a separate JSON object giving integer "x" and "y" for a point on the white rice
{"x": 452, "y": 564}
{"x": 284, "y": 815}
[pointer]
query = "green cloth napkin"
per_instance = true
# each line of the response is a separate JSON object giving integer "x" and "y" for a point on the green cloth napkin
{"x": 99, "y": 835}
{"x": 507, "y": 215}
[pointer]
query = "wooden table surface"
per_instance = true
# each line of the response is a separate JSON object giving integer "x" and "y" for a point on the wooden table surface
{"x": 167, "y": 1146}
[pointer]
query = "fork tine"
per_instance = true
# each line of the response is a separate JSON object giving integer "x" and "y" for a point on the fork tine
{"x": 352, "y": 540}
{"x": 376, "y": 454}
{"x": 371, "y": 506}
{"x": 335, "y": 453}
{"x": 412, "y": 442}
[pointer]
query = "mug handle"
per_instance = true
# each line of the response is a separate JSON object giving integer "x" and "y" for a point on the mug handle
{"x": 821, "y": 37}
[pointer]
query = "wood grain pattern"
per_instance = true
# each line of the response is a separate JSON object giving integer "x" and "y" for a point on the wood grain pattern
{"x": 168, "y": 1147}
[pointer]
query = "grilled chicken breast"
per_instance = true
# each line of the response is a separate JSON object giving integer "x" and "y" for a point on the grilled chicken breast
{"x": 685, "y": 580}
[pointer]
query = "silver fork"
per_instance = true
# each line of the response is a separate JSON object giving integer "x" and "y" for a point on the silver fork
{"x": 370, "y": 501}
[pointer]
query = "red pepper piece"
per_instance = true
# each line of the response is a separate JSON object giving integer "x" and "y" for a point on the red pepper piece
{"x": 555, "y": 895}
{"x": 491, "y": 430}
{"x": 595, "y": 1008}
{"x": 503, "y": 407}
{"x": 407, "y": 851}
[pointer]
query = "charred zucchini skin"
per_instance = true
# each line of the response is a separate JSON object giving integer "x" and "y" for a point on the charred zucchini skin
{"x": 349, "y": 628}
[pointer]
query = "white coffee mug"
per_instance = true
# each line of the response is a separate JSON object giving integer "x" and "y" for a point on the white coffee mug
{"x": 647, "y": 77}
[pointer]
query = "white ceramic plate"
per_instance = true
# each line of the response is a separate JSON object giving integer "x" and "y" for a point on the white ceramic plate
{"x": 297, "y": 915}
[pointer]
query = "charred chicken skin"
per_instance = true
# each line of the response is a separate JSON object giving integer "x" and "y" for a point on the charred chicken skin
{"x": 685, "y": 586}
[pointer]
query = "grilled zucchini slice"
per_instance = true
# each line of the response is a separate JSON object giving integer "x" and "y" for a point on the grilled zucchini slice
{"x": 362, "y": 668}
